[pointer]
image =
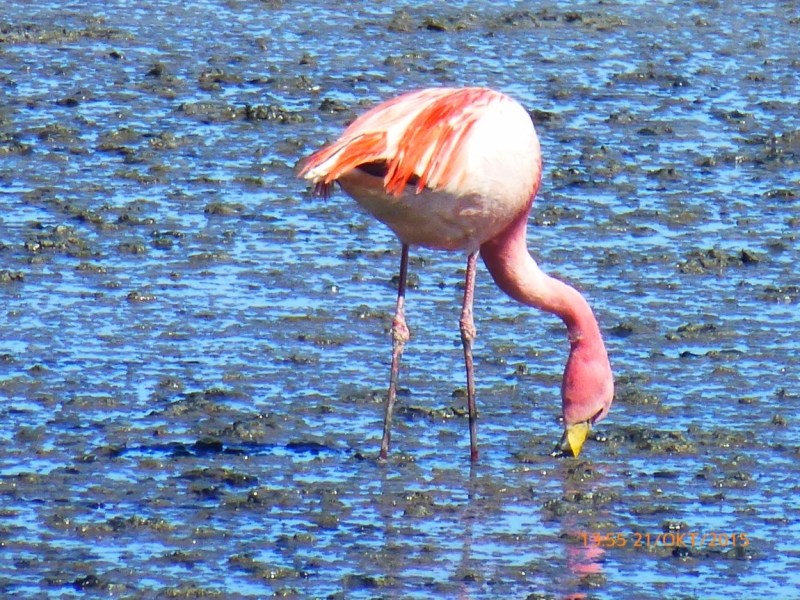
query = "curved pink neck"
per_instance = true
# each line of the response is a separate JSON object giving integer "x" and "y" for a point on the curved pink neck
{"x": 517, "y": 274}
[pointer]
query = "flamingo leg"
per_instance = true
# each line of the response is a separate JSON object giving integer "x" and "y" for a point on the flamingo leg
{"x": 400, "y": 336}
{"x": 468, "y": 333}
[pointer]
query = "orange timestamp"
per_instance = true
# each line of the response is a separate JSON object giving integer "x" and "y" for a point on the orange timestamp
{"x": 668, "y": 540}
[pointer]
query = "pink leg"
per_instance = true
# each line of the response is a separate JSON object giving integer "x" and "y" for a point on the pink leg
{"x": 468, "y": 334}
{"x": 400, "y": 336}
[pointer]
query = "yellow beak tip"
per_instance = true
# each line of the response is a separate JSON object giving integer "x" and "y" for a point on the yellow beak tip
{"x": 576, "y": 436}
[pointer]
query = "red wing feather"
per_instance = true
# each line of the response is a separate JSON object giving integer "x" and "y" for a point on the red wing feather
{"x": 438, "y": 134}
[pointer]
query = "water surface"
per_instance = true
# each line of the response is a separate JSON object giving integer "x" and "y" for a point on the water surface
{"x": 194, "y": 350}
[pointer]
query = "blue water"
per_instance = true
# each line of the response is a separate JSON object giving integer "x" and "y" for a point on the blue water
{"x": 192, "y": 401}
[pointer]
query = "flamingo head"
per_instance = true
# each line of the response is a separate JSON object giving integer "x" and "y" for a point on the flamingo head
{"x": 587, "y": 390}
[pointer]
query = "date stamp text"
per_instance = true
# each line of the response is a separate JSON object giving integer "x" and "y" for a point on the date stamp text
{"x": 668, "y": 540}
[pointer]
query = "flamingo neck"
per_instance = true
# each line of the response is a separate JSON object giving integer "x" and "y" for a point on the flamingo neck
{"x": 516, "y": 273}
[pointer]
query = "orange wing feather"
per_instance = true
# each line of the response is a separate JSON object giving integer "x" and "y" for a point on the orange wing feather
{"x": 429, "y": 147}
{"x": 349, "y": 153}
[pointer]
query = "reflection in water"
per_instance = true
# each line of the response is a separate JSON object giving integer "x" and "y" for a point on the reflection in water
{"x": 584, "y": 560}
{"x": 580, "y": 565}
{"x": 469, "y": 515}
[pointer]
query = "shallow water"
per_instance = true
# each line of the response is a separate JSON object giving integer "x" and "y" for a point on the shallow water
{"x": 194, "y": 351}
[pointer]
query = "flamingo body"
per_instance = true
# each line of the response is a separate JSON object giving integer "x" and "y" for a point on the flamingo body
{"x": 457, "y": 169}
{"x": 467, "y": 150}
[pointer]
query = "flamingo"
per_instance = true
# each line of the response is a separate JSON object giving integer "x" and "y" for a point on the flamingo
{"x": 457, "y": 169}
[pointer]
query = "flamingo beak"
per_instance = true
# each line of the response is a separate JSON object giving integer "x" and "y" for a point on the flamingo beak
{"x": 576, "y": 435}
